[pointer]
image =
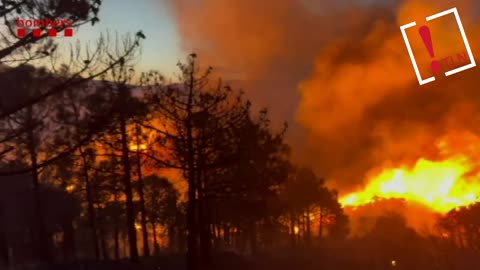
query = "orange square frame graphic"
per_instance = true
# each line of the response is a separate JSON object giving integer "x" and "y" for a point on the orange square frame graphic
{"x": 465, "y": 41}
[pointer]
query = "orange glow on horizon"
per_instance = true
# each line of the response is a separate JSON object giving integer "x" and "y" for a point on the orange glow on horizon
{"x": 440, "y": 185}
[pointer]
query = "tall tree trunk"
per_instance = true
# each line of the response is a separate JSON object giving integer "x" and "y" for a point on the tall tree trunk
{"x": 116, "y": 240}
{"x": 226, "y": 235}
{"x": 125, "y": 245}
{"x": 253, "y": 237}
{"x": 116, "y": 231}
{"x": 103, "y": 244}
{"x": 90, "y": 207}
{"x": 292, "y": 230}
{"x": 192, "y": 188}
{"x": 143, "y": 214}
{"x": 308, "y": 233}
{"x": 300, "y": 230}
{"x": 320, "y": 224}
{"x": 181, "y": 243}
{"x": 203, "y": 222}
{"x": 4, "y": 256}
{"x": 205, "y": 237}
{"x": 216, "y": 236}
{"x": 304, "y": 228}
{"x": 41, "y": 243}
{"x": 68, "y": 241}
{"x": 155, "y": 241}
{"x": 172, "y": 237}
{"x": 127, "y": 181}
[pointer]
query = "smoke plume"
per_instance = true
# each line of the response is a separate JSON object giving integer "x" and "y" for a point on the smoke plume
{"x": 339, "y": 72}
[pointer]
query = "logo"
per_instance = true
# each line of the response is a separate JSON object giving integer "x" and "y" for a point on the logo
{"x": 436, "y": 66}
{"x": 40, "y": 28}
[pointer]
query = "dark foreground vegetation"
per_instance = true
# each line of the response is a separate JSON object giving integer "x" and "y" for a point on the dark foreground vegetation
{"x": 104, "y": 167}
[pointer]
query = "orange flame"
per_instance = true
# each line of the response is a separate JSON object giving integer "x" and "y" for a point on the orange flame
{"x": 134, "y": 147}
{"x": 439, "y": 185}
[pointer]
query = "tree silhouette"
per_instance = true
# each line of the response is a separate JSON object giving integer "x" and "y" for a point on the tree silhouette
{"x": 193, "y": 115}
{"x": 31, "y": 127}
{"x": 161, "y": 199}
{"x": 17, "y": 51}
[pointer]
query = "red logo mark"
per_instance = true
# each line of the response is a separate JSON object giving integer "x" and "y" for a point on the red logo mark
{"x": 38, "y": 32}
{"x": 68, "y": 32}
{"x": 52, "y": 32}
{"x": 39, "y": 26}
{"x": 21, "y": 32}
{"x": 427, "y": 40}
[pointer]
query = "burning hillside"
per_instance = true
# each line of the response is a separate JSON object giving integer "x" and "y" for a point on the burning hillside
{"x": 422, "y": 189}
{"x": 441, "y": 184}
{"x": 359, "y": 117}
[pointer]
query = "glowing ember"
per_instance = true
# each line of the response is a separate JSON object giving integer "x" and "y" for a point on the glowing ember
{"x": 134, "y": 147}
{"x": 439, "y": 185}
{"x": 70, "y": 188}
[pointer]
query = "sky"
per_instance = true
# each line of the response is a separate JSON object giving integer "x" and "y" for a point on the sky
{"x": 161, "y": 48}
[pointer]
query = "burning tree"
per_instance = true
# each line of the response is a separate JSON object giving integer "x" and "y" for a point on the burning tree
{"x": 230, "y": 159}
{"x": 126, "y": 110}
{"x": 161, "y": 200}
{"x": 198, "y": 124}
{"x": 303, "y": 194}
{"x": 461, "y": 226}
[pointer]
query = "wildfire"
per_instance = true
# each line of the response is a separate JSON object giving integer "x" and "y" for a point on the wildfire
{"x": 134, "y": 147}
{"x": 439, "y": 185}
